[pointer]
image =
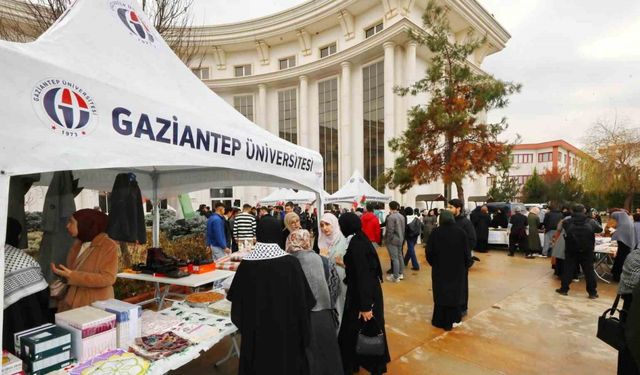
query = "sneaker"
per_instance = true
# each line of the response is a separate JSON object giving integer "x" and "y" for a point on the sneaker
{"x": 593, "y": 296}
{"x": 562, "y": 291}
{"x": 392, "y": 279}
{"x": 529, "y": 256}
{"x": 455, "y": 325}
{"x": 401, "y": 277}
{"x": 576, "y": 280}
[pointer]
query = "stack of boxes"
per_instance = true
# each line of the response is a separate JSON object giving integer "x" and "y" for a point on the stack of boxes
{"x": 128, "y": 320}
{"x": 93, "y": 331}
{"x": 11, "y": 365}
{"x": 44, "y": 349}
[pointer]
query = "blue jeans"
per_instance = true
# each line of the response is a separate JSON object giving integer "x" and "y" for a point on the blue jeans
{"x": 411, "y": 253}
{"x": 217, "y": 252}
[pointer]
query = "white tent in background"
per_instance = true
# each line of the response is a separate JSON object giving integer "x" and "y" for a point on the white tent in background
{"x": 354, "y": 190}
{"x": 290, "y": 195}
{"x": 101, "y": 93}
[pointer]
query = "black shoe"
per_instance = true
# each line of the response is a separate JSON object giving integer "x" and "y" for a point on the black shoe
{"x": 475, "y": 258}
{"x": 415, "y": 269}
{"x": 593, "y": 296}
{"x": 510, "y": 254}
{"x": 562, "y": 291}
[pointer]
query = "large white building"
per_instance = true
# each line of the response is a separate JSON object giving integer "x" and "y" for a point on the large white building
{"x": 322, "y": 75}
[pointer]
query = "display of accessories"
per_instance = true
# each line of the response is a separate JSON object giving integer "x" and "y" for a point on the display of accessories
{"x": 128, "y": 319}
{"x": 198, "y": 316}
{"x": 203, "y": 299}
{"x": 93, "y": 331}
{"x": 195, "y": 333}
{"x": 154, "y": 322}
{"x": 154, "y": 347}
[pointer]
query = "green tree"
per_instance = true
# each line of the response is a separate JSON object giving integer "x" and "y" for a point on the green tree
{"x": 504, "y": 187}
{"x": 445, "y": 138}
{"x": 534, "y": 190}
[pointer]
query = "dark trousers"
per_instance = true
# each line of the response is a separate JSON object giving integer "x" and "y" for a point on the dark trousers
{"x": 411, "y": 253}
{"x": 621, "y": 256}
{"x": 585, "y": 260}
{"x": 518, "y": 239}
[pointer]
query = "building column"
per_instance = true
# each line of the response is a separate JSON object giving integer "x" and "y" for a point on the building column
{"x": 410, "y": 70}
{"x": 261, "y": 112}
{"x": 389, "y": 101}
{"x": 303, "y": 139}
{"x": 351, "y": 146}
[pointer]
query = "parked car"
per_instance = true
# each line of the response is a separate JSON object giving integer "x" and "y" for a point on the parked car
{"x": 508, "y": 208}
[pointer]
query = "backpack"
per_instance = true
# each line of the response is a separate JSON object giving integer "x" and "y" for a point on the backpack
{"x": 579, "y": 236}
{"x": 414, "y": 228}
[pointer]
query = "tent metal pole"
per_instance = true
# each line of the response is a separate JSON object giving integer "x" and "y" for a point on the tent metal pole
{"x": 155, "y": 239}
{"x": 4, "y": 209}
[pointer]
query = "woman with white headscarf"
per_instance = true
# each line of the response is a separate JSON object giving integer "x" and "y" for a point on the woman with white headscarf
{"x": 323, "y": 353}
{"x": 533, "y": 220}
{"x": 625, "y": 235}
{"x": 333, "y": 245}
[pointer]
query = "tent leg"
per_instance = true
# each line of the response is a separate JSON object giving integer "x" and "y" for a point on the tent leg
{"x": 4, "y": 209}
{"x": 156, "y": 213}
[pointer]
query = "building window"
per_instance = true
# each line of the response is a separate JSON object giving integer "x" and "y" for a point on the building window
{"x": 544, "y": 157}
{"x": 373, "y": 30}
{"x": 221, "y": 193}
{"x": 522, "y": 158}
{"x": 243, "y": 70}
{"x": 202, "y": 73}
{"x": 244, "y": 105}
{"x": 287, "y": 63}
{"x": 521, "y": 180}
{"x": 491, "y": 180}
{"x": 328, "y": 121}
{"x": 328, "y": 50}
{"x": 373, "y": 118}
{"x": 288, "y": 115}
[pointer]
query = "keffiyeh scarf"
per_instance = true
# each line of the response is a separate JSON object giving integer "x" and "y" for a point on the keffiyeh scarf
{"x": 22, "y": 276}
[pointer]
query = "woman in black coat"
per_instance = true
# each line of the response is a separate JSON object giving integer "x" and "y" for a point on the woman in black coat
{"x": 449, "y": 255}
{"x": 364, "y": 300}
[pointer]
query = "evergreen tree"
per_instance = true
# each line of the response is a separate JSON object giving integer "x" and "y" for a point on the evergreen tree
{"x": 445, "y": 138}
{"x": 504, "y": 187}
{"x": 534, "y": 190}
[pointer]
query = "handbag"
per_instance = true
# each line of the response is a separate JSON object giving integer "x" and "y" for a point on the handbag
{"x": 58, "y": 287}
{"x": 370, "y": 345}
{"x": 610, "y": 328}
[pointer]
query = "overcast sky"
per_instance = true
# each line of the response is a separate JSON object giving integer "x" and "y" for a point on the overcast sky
{"x": 578, "y": 60}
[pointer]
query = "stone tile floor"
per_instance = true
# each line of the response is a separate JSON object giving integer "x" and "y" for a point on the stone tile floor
{"x": 516, "y": 325}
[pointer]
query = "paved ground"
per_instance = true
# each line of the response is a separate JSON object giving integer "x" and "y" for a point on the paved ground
{"x": 517, "y": 324}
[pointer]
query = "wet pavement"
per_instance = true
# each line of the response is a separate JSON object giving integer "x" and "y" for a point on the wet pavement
{"x": 517, "y": 324}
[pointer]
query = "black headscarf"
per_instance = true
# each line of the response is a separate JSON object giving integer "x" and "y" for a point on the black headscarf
{"x": 446, "y": 218}
{"x": 269, "y": 230}
{"x": 350, "y": 224}
{"x": 14, "y": 229}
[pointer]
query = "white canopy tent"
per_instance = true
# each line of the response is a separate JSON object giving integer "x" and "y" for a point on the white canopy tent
{"x": 290, "y": 195}
{"x": 354, "y": 190}
{"x": 101, "y": 93}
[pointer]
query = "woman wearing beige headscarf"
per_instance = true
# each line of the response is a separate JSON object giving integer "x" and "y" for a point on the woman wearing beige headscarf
{"x": 323, "y": 352}
{"x": 291, "y": 224}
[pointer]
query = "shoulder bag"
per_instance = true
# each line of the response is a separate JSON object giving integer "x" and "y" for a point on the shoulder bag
{"x": 371, "y": 345}
{"x": 610, "y": 328}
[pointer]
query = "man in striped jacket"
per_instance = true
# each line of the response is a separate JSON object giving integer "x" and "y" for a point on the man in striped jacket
{"x": 244, "y": 228}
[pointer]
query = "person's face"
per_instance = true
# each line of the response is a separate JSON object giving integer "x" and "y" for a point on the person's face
{"x": 288, "y": 209}
{"x": 326, "y": 228}
{"x": 454, "y": 210}
{"x": 72, "y": 227}
{"x": 295, "y": 224}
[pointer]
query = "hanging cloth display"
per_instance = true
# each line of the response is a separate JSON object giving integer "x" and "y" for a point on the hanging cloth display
{"x": 58, "y": 208}
{"x": 126, "y": 214}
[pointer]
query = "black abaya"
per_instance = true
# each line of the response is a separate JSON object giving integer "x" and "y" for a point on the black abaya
{"x": 481, "y": 225}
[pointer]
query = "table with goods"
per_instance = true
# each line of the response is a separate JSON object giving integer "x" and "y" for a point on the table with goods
{"x": 605, "y": 253}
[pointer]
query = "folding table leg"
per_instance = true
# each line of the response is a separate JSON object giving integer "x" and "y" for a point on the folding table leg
{"x": 234, "y": 350}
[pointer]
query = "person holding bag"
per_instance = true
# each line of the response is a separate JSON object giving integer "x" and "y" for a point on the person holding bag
{"x": 92, "y": 262}
{"x": 629, "y": 282}
{"x": 364, "y": 305}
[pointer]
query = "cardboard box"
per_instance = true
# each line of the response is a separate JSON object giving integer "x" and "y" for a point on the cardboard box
{"x": 18, "y": 335}
{"x": 89, "y": 320}
{"x": 53, "y": 368}
{"x": 36, "y": 366}
{"x": 128, "y": 320}
{"x": 39, "y": 342}
{"x": 11, "y": 365}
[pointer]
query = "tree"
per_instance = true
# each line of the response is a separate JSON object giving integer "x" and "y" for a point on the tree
{"x": 616, "y": 164}
{"x": 562, "y": 189}
{"x": 535, "y": 189}
{"x": 445, "y": 138}
{"x": 504, "y": 187}
{"x": 171, "y": 18}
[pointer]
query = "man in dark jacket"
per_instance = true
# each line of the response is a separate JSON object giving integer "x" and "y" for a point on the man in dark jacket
{"x": 579, "y": 237}
{"x": 456, "y": 208}
{"x": 518, "y": 233}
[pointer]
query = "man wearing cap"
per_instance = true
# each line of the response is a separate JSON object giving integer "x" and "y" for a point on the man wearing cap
{"x": 518, "y": 233}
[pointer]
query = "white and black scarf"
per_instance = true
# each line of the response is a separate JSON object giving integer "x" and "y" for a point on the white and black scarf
{"x": 264, "y": 251}
{"x": 22, "y": 275}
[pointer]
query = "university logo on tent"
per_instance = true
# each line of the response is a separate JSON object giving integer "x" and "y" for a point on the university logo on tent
{"x": 131, "y": 20}
{"x": 64, "y": 107}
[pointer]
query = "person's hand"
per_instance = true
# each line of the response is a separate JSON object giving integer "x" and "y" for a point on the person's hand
{"x": 365, "y": 315}
{"x": 324, "y": 252}
{"x": 61, "y": 270}
{"x": 339, "y": 261}
{"x": 227, "y": 251}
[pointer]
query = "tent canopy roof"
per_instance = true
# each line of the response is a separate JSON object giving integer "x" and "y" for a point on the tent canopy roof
{"x": 101, "y": 93}
{"x": 430, "y": 198}
{"x": 355, "y": 189}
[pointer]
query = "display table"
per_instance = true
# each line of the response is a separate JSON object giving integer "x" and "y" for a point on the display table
{"x": 192, "y": 281}
{"x": 604, "y": 252}
{"x": 501, "y": 237}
